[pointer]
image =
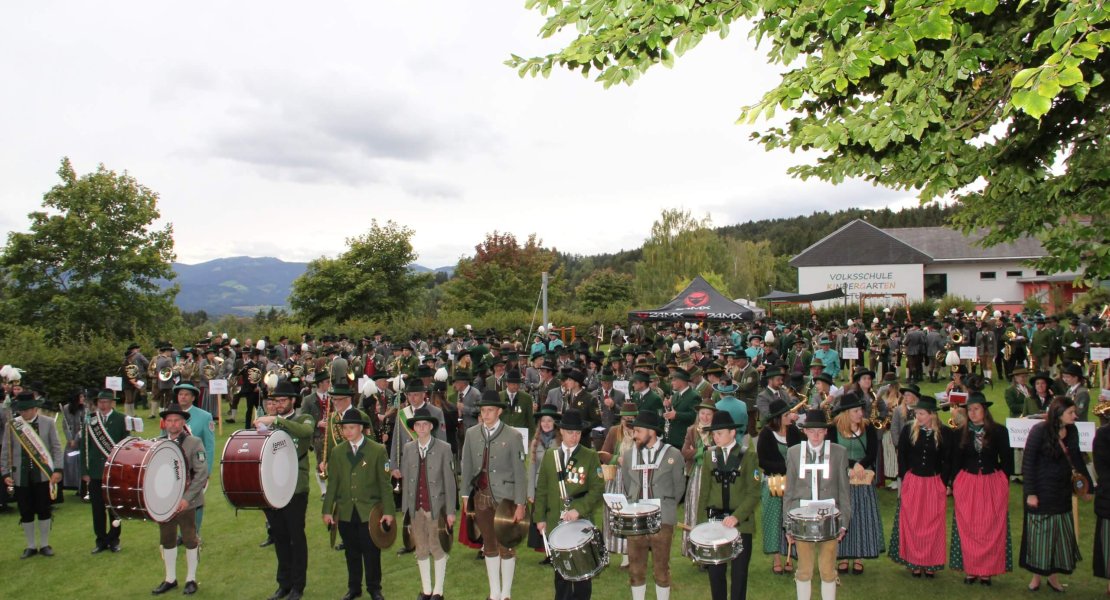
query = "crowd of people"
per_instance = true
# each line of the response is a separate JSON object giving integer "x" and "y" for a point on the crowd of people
{"x": 503, "y": 437}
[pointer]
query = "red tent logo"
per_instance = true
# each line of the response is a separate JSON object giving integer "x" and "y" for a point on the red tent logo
{"x": 696, "y": 299}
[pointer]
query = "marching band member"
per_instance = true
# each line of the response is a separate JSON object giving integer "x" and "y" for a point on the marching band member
{"x": 1037, "y": 404}
{"x": 652, "y": 473}
{"x": 492, "y": 470}
{"x": 428, "y": 468}
{"x": 854, "y": 433}
{"x": 546, "y": 437}
{"x": 816, "y": 472}
{"x": 357, "y": 483}
{"x": 917, "y": 536}
{"x": 730, "y": 482}
{"x": 185, "y": 520}
{"x": 698, "y": 438}
{"x": 287, "y": 524}
{"x": 104, "y": 427}
{"x": 31, "y": 462}
{"x": 198, "y": 423}
{"x": 1048, "y": 542}
{"x": 569, "y": 488}
{"x": 775, "y": 438}
{"x": 983, "y": 462}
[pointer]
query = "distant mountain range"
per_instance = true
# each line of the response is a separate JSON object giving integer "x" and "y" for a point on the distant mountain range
{"x": 240, "y": 285}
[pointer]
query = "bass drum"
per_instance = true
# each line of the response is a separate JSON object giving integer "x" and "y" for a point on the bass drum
{"x": 259, "y": 469}
{"x": 577, "y": 550}
{"x": 144, "y": 479}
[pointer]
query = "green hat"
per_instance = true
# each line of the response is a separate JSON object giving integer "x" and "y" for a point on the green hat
{"x": 825, "y": 377}
{"x": 174, "y": 409}
{"x": 607, "y": 375}
{"x": 25, "y": 401}
{"x": 641, "y": 377}
{"x": 423, "y": 414}
{"x": 572, "y": 421}
{"x": 722, "y": 419}
{"x": 341, "y": 389}
{"x": 977, "y": 398}
{"x": 187, "y": 387}
{"x": 548, "y": 410}
{"x": 928, "y": 403}
{"x": 285, "y": 389}
{"x": 680, "y": 373}
{"x": 860, "y": 372}
{"x": 106, "y": 395}
{"x": 415, "y": 386}
{"x": 649, "y": 419}
{"x": 491, "y": 398}
{"x": 773, "y": 372}
{"x": 705, "y": 405}
{"x": 629, "y": 409}
{"x": 777, "y": 408}
{"x": 1041, "y": 375}
{"x": 353, "y": 416}
{"x": 849, "y": 401}
{"x": 815, "y": 419}
{"x": 911, "y": 388}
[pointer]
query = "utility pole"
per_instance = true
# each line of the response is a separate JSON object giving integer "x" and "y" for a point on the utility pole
{"x": 543, "y": 292}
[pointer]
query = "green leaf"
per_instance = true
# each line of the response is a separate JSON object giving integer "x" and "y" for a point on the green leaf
{"x": 1070, "y": 76}
{"x": 1022, "y": 78}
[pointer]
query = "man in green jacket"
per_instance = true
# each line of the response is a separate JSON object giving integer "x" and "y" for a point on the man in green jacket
{"x": 681, "y": 412}
{"x": 568, "y": 488}
{"x": 287, "y": 522}
{"x": 730, "y": 489}
{"x": 104, "y": 428}
{"x": 642, "y": 394}
{"x": 357, "y": 483}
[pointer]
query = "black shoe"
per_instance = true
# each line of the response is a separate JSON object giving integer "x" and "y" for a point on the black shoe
{"x": 99, "y": 549}
{"x": 546, "y": 561}
{"x": 984, "y": 580}
{"x": 423, "y": 596}
{"x": 930, "y": 574}
{"x": 279, "y": 594}
{"x": 115, "y": 547}
{"x": 267, "y": 542}
{"x": 46, "y": 551}
{"x": 29, "y": 552}
{"x": 341, "y": 546}
{"x": 437, "y": 596}
{"x": 377, "y": 595}
{"x": 480, "y": 556}
{"x": 295, "y": 595}
{"x": 351, "y": 595}
{"x": 230, "y": 420}
{"x": 190, "y": 588}
{"x": 969, "y": 580}
{"x": 163, "y": 587}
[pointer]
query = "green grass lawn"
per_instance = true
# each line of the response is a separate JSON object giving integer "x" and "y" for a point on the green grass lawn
{"x": 233, "y": 566}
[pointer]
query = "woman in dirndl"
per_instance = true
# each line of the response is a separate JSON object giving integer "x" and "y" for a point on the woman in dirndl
{"x": 891, "y": 395}
{"x": 1048, "y": 544}
{"x": 617, "y": 441}
{"x": 693, "y": 451}
{"x": 864, "y": 538}
{"x": 983, "y": 463}
{"x": 917, "y": 536}
{"x": 547, "y": 436}
{"x": 778, "y": 434}
{"x": 1101, "y": 454}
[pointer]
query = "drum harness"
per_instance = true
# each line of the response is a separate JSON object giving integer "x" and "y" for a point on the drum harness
{"x": 726, "y": 477}
{"x": 564, "y": 470}
{"x": 811, "y": 469}
{"x": 648, "y": 468}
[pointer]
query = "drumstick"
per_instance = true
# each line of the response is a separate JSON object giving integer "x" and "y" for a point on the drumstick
{"x": 683, "y": 526}
{"x": 546, "y": 547}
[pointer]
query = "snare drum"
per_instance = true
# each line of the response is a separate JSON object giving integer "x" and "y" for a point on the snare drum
{"x": 577, "y": 550}
{"x": 711, "y": 543}
{"x": 144, "y": 479}
{"x": 811, "y": 524}
{"x": 636, "y": 519}
{"x": 259, "y": 469}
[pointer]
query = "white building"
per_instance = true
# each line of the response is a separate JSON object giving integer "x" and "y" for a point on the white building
{"x": 920, "y": 262}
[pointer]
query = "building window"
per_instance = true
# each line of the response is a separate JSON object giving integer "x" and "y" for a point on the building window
{"x": 1041, "y": 273}
{"x": 1013, "y": 273}
{"x": 987, "y": 275}
{"x": 936, "y": 285}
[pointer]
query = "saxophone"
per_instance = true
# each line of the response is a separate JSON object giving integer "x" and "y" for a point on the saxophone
{"x": 876, "y": 421}
{"x": 328, "y": 428}
{"x": 826, "y": 405}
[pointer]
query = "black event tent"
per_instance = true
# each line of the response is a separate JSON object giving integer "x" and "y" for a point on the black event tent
{"x": 698, "y": 302}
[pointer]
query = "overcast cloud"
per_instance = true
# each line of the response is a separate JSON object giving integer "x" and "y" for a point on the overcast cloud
{"x": 282, "y": 128}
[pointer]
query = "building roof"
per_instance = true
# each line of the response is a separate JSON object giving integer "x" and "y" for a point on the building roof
{"x": 943, "y": 243}
{"x": 861, "y": 243}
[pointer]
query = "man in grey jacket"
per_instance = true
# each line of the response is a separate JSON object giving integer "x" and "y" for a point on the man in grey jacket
{"x": 428, "y": 468}
{"x": 493, "y": 471}
{"x": 195, "y": 464}
{"x": 31, "y": 462}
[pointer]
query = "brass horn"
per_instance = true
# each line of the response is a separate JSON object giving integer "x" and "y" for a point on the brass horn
{"x": 165, "y": 374}
{"x": 956, "y": 338}
{"x": 254, "y": 375}
{"x": 131, "y": 371}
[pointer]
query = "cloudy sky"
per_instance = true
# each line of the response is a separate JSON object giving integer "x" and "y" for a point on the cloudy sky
{"x": 281, "y": 128}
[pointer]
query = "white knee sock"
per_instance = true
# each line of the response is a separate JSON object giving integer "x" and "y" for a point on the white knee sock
{"x": 639, "y": 592}
{"x": 508, "y": 569}
{"x": 169, "y": 556}
{"x": 191, "y": 559}
{"x": 805, "y": 589}
{"x": 29, "y": 533}
{"x": 493, "y": 574}
{"x": 425, "y": 567}
{"x": 662, "y": 593}
{"x": 441, "y": 575}
{"x": 624, "y": 560}
{"x": 828, "y": 590}
{"x": 44, "y": 532}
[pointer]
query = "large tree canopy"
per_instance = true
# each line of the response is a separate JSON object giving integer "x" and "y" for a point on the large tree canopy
{"x": 91, "y": 260}
{"x": 371, "y": 280}
{"x": 504, "y": 275}
{"x": 1001, "y": 105}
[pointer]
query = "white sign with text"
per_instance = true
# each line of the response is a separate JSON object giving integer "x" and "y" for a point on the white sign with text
{"x": 850, "y": 353}
{"x": 969, "y": 353}
{"x": 1019, "y": 432}
{"x": 217, "y": 386}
